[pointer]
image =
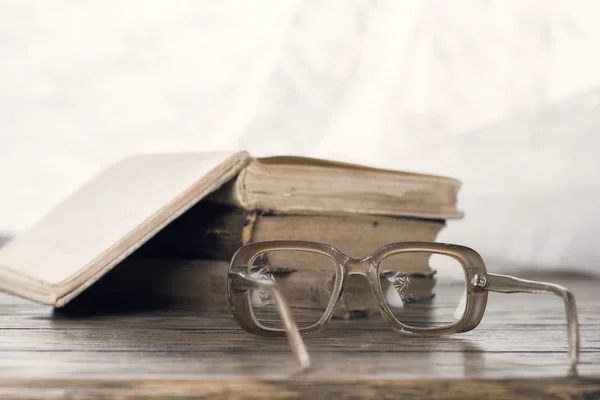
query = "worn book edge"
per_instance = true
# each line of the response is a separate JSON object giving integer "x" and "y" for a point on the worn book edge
{"x": 237, "y": 192}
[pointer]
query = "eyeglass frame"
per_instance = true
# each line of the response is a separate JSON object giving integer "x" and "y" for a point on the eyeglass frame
{"x": 478, "y": 283}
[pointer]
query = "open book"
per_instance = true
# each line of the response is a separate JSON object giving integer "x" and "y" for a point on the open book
{"x": 119, "y": 210}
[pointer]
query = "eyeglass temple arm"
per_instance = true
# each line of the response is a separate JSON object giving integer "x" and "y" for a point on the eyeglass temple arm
{"x": 510, "y": 284}
{"x": 243, "y": 281}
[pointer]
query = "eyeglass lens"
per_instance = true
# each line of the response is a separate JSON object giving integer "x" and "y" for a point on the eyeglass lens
{"x": 305, "y": 278}
{"x": 410, "y": 297}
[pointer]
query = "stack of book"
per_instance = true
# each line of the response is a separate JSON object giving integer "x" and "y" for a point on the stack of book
{"x": 183, "y": 262}
{"x": 353, "y": 208}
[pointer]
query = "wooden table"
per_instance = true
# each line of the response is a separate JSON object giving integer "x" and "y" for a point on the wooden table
{"x": 518, "y": 350}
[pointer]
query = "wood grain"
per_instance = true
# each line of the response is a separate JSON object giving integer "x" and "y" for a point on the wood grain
{"x": 579, "y": 388}
{"x": 519, "y": 350}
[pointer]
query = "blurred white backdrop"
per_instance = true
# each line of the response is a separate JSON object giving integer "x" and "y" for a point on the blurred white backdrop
{"x": 504, "y": 95}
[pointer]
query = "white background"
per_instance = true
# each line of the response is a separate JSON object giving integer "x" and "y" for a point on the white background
{"x": 504, "y": 95}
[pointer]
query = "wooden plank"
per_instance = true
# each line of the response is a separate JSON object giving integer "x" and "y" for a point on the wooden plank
{"x": 579, "y": 388}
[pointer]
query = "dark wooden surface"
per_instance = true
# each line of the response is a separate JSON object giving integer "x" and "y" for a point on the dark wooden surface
{"x": 519, "y": 350}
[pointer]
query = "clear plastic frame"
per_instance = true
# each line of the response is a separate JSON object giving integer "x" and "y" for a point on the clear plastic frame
{"x": 476, "y": 281}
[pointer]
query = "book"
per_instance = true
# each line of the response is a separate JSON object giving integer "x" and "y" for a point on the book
{"x": 120, "y": 210}
{"x": 214, "y": 232}
{"x": 298, "y": 185}
{"x": 106, "y": 220}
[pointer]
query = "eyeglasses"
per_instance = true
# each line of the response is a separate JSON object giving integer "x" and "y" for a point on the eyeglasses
{"x": 313, "y": 276}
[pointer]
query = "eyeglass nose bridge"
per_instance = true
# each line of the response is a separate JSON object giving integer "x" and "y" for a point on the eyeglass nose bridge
{"x": 359, "y": 266}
